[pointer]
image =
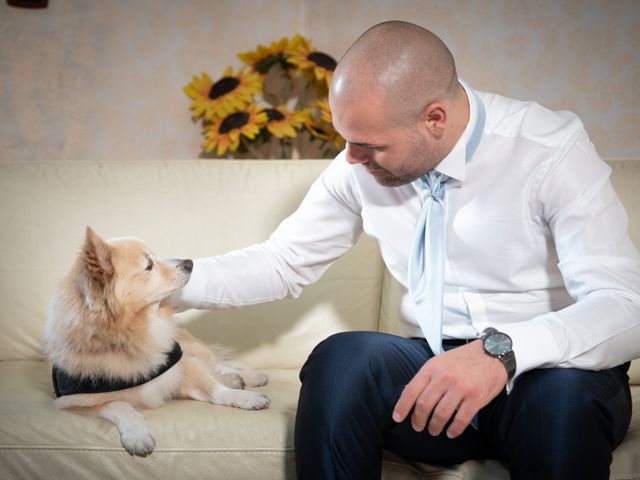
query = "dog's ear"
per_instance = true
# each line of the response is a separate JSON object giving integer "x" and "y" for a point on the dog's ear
{"x": 97, "y": 258}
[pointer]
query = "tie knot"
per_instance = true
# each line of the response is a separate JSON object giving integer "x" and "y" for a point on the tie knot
{"x": 434, "y": 182}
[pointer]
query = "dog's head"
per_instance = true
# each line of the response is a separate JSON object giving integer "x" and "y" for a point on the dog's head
{"x": 124, "y": 273}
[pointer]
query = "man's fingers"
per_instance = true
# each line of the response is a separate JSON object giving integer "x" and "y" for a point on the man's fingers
{"x": 450, "y": 389}
{"x": 462, "y": 419}
{"x": 422, "y": 412}
{"x": 408, "y": 398}
{"x": 442, "y": 413}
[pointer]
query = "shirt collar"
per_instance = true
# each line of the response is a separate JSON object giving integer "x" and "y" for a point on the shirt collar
{"x": 454, "y": 164}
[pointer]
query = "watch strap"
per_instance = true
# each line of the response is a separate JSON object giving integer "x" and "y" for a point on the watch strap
{"x": 509, "y": 361}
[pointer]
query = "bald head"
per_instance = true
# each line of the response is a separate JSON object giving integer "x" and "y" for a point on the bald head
{"x": 401, "y": 65}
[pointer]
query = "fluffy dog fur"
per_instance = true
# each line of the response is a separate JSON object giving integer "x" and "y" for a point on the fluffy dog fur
{"x": 109, "y": 319}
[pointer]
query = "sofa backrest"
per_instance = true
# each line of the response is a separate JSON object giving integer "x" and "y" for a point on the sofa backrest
{"x": 185, "y": 209}
{"x": 194, "y": 209}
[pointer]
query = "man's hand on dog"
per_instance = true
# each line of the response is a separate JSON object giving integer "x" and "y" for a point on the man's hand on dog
{"x": 454, "y": 385}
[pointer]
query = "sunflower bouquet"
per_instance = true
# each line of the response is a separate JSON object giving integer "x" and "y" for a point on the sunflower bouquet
{"x": 275, "y": 106}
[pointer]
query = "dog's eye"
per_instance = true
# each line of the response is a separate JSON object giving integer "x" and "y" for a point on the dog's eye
{"x": 149, "y": 265}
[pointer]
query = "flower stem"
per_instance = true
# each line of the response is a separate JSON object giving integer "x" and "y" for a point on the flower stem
{"x": 248, "y": 145}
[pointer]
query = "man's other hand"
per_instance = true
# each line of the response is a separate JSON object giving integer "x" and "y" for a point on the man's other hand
{"x": 454, "y": 385}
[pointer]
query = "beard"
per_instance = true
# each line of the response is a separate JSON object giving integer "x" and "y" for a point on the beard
{"x": 420, "y": 159}
{"x": 392, "y": 180}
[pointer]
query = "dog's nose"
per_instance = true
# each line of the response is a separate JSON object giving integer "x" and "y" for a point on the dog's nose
{"x": 186, "y": 266}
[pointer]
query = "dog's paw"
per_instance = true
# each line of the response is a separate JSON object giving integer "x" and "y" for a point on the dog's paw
{"x": 255, "y": 379}
{"x": 245, "y": 399}
{"x": 138, "y": 443}
{"x": 233, "y": 380}
{"x": 256, "y": 401}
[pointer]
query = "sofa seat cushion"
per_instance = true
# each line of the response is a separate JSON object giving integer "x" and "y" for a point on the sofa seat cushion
{"x": 38, "y": 441}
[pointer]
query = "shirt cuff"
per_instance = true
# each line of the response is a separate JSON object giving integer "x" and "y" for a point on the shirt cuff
{"x": 534, "y": 346}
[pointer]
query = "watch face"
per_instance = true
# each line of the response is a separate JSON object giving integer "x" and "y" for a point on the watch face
{"x": 497, "y": 343}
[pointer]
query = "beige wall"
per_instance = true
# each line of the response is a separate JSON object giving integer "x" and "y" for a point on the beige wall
{"x": 99, "y": 80}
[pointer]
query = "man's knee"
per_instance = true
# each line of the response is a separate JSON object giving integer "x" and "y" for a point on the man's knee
{"x": 347, "y": 352}
{"x": 574, "y": 401}
{"x": 336, "y": 380}
{"x": 338, "y": 422}
{"x": 568, "y": 421}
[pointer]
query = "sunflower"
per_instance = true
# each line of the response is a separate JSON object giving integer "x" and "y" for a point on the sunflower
{"x": 325, "y": 111}
{"x": 297, "y": 43}
{"x": 263, "y": 58}
{"x": 283, "y": 122}
{"x": 231, "y": 92}
{"x": 308, "y": 59}
{"x": 224, "y": 132}
{"x": 322, "y": 130}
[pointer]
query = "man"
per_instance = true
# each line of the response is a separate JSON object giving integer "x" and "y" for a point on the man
{"x": 499, "y": 218}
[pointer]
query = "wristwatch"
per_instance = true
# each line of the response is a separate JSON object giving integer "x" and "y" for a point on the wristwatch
{"x": 499, "y": 345}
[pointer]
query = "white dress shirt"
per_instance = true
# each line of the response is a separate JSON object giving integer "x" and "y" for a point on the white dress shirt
{"x": 536, "y": 242}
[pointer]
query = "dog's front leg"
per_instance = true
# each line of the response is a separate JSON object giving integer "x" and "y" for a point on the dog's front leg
{"x": 248, "y": 376}
{"x": 245, "y": 399}
{"x": 134, "y": 432}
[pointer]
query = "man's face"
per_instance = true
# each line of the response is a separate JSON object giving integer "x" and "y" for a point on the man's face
{"x": 395, "y": 155}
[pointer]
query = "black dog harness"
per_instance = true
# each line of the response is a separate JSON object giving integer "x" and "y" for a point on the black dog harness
{"x": 65, "y": 384}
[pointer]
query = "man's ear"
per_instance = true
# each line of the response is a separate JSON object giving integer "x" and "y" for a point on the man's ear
{"x": 97, "y": 258}
{"x": 433, "y": 119}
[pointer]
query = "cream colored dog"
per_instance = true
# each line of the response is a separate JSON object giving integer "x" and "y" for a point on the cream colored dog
{"x": 114, "y": 347}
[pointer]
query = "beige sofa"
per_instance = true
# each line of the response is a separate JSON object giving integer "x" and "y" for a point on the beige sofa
{"x": 192, "y": 209}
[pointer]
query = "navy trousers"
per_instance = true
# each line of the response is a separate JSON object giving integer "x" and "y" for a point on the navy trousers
{"x": 556, "y": 423}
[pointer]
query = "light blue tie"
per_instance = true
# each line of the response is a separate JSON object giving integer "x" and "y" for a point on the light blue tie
{"x": 426, "y": 272}
{"x": 426, "y": 260}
